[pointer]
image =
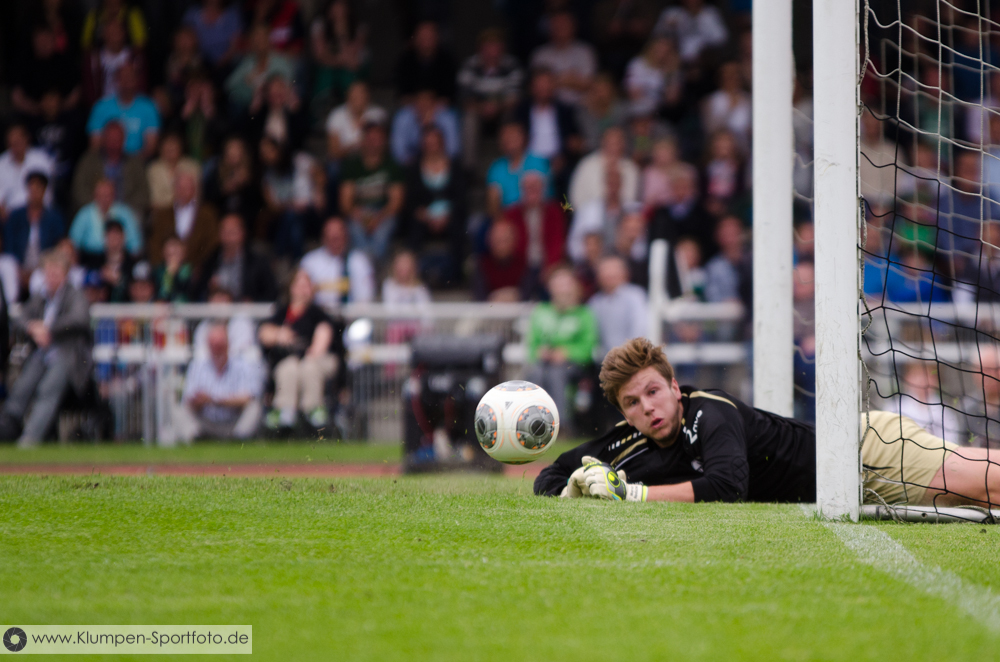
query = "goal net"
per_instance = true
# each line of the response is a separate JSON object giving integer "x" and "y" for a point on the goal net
{"x": 930, "y": 244}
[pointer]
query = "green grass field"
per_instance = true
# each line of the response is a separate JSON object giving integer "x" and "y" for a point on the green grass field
{"x": 467, "y": 568}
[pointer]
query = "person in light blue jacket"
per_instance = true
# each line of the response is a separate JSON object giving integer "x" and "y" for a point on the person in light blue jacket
{"x": 87, "y": 230}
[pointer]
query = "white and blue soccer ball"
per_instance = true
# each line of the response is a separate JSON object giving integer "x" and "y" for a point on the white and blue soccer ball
{"x": 516, "y": 422}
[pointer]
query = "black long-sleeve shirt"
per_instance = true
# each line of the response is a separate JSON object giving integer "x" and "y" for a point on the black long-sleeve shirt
{"x": 727, "y": 449}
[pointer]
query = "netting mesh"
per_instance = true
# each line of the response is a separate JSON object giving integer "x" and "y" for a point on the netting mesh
{"x": 930, "y": 183}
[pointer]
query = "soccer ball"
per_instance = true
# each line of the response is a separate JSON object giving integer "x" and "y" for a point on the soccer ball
{"x": 516, "y": 422}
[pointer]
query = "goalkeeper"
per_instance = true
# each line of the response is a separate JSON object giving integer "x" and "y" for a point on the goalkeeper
{"x": 683, "y": 444}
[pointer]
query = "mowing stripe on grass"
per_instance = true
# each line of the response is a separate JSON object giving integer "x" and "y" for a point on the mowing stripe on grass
{"x": 876, "y": 548}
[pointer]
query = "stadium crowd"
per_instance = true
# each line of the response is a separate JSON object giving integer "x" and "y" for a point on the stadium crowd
{"x": 256, "y": 155}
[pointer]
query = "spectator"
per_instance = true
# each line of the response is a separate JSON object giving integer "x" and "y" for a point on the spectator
{"x": 725, "y": 172}
{"x": 340, "y": 274}
{"x": 552, "y": 130}
{"x": 283, "y": 20}
{"x": 141, "y": 288}
{"x": 722, "y": 273}
{"x": 109, "y": 161}
{"x": 654, "y": 77}
{"x": 200, "y": 122}
{"x": 172, "y": 280}
{"x": 573, "y": 62}
{"x": 45, "y": 70}
{"x": 695, "y": 25}
{"x": 804, "y": 334}
{"x": 878, "y": 169}
{"x": 620, "y": 307}
{"x": 136, "y": 113}
{"x": 114, "y": 266}
{"x": 632, "y": 245}
{"x": 242, "y": 332}
{"x": 161, "y": 174}
{"x": 235, "y": 267}
{"x": 290, "y": 196}
{"x": 541, "y": 227}
{"x": 643, "y": 132}
{"x": 188, "y": 219}
{"x": 489, "y": 87}
{"x": 963, "y": 210}
{"x": 371, "y": 193}
{"x": 910, "y": 278}
{"x": 434, "y": 216}
{"x": 219, "y": 29}
{"x": 920, "y": 400}
{"x": 16, "y": 163}
{"x": 232, "y": 188}
{"x": 503, "y": 180}
{"x": 728, "y": 108}
{"x": 277, "y": 113}
{"x": 59, "y": 133}
{"x": 299, "y": 340}
{"x": 426, "y": 65}
{"x": 599, "y": 216}
{"x": 77, "y": 274}
{"x": 183, "y": 63}
{"x": 58, "y": 326}
{"x": 403, "y": 288}
{"x": 657, "y": 177}
{"x": 63, "y": 19}
{"x": 407, "y": 126}
{"x": 10, "y": 281}
{"x": 221, "y": 394}
{"x": 117, "y": 11}
{"x": 501, "y": 271}
{"x": 690, "y": 272}
{"x": 601, "y": 109}
{"x": 589, "y": 178}
{"x": 339, "y": 48}
{"x": 101, "y": 64}
{"x": 586, "y": 269}
{"x": 685, "y": 216}
{"x": 620, "y": 28}
{"x": 33, "y": 229}
{"x": 87, "y": 229}
{"x": 256, "y": 67}
{"x": 561, "y": 341}
{"x": 344, "y": 125}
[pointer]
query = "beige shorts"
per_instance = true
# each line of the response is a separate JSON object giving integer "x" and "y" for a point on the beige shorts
{"x": 900, "y": 458}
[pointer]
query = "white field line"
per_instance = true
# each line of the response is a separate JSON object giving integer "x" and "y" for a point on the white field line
{"x": 876, "y": 548}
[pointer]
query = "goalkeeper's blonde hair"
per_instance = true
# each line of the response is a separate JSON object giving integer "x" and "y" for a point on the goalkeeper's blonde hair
{"x": 624, "y": 361}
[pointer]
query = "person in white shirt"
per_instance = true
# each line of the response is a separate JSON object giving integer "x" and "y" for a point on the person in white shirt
{"x": 16, "y": 163}
{"x": 343, "y": 125}
{"x": 403, "y": 288}
{"x": 728, "y": 108}
{"x": 573, "y": 62}
{"x": 339, "y": 274}
{"x": 695, "y": 25}
{"x": 588, "y": 181}
{"x": 620, "y": 307}
{"x": 221, "y": 394}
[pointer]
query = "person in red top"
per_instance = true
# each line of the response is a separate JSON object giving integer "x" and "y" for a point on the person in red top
{"x": 283, "y": 19}
{"x": 501, "y": 271}
{"x": 540, "y": 225}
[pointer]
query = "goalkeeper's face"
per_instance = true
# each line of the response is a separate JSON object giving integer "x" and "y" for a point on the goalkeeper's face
{"x": 652, "y": 405}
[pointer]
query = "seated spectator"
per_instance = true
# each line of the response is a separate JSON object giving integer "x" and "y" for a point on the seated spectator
{"x": 371, "y": 193}
{"x": 434, "y": 217}
{"x": 573, "y": 62}
{"x": 300, "y": 343}
{"x": 425, "y": 64}
{"x": 283, "y": 20}
{"x": 193, "y": 222}
{"x": 920, "y": 400}
{"x": 16, "y": 163}
{"x": 87, "y": 229}
{"x": 10, "y": 280}
{"x": 109, "y": 161}
{"x": 909, "y": 278}
{"x": 294, "y": 190}
{"x": 58, "y": 326}
{"x": 340, "y": 274}
{"x": 728, "y": 108}
{"x": 502, "y": 271}
{"x": 562, "y": 338}
{"x": 219, "y": 29}
{"x": 120, "y": 11}
{"x": 551, "y": 124}
{"x": 695, "y": 25}
{"x": 657, "y": 177}
{"x": 33, "y": 229}
{"x": 101, "y": 64}
{"x": 599, "y": 216}
{"x": 586, "y": 269}
{"x": 643, "y": 132}
{"x": 114, "y": 266}
{"x": 725, "y": 172}
{"x": 242, "y": 332}
{"x": 235, "y": 267}
{"x": 632, "y": 245}
{"x": 77, "y": 274}
{"x": 722, "y": 273}
{"x": 408, "y": 125}
{"x": 136, "y": 113}
{"x": 685, "y": 216}
{"x": 141, "y": 288}
{"x": 161, "y": 172}
{"x": 489, "y": 86}
{"x": 44, "y": 70}
{"x": 59, "y": 133}
{"x": 344, "y": 125}
{"x": 276, "y": 113}
{"x": 503, "y": 181}
{"x": 589, "y": 177}
{"x": 221, "y": 394}
{"x": 183, "y": 63}
{"x": 256, "y": 67}
{"x": 654, "y": 76}
{"x": 172, "y": 280}
{"x": 541, "y": 227}
{"x": 339, "y": 48}
{"x": 232, "y": 188}
{"x": 687, "y": 255}
{"x": 200, "y": 121}
{"x": 601, "y": 109}
{"x": 619, "y": 307}
{"x": 403, "y": 288}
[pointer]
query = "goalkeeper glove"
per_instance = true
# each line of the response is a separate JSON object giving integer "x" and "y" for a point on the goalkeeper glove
{"x": 574, "y": 486}
{"x": 603, "y": 482}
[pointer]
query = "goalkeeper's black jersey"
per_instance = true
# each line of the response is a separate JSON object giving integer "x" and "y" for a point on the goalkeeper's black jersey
{"x": 727, "y": 449}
